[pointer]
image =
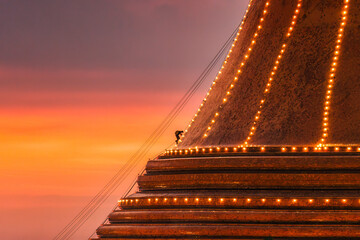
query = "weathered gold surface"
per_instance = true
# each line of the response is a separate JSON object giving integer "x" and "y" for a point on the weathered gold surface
{"x": 293, "y": 110}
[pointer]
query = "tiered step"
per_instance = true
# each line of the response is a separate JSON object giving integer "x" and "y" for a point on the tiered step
{"x": 242, "y": 197}
{"x": 184, "y": 216}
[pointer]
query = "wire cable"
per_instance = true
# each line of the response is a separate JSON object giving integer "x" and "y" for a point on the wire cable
{"x": 129, "y": 166}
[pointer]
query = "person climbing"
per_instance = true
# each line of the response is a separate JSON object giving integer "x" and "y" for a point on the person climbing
{"x": 178, "y": 135}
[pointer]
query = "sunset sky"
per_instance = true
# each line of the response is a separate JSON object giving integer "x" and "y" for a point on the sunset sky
{"x": 83, "y": 83}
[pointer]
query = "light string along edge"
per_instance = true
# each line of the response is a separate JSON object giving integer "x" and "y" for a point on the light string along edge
{"x": 273, "y": 73}
{"x": 332, "y": 75}
{"x": 219, "y": 73}
{"x": 178, "y": 200}
{"x": 239, "y": 70}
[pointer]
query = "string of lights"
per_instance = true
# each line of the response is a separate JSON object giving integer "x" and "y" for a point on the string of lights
{"x": 219, "y": 73}
{"x": 242, "y": 64}
{"x": 262, "y": 149}
{"x": 241, "y": 202}
{"x": 332, "y": 74}
{"x": 273, "y": 73}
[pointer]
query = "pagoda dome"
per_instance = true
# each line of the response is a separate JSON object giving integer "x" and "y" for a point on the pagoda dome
{"x": 289, "y": 79}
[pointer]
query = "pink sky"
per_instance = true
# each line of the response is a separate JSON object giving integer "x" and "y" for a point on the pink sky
{"x": 82, "y": 85}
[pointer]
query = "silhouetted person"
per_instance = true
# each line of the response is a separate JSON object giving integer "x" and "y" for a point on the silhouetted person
{"x": 178, "y": 135}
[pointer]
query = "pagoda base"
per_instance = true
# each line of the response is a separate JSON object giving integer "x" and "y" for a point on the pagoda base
{"x": 242, "y": 196}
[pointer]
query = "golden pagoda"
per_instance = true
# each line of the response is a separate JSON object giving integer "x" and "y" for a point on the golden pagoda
{"x": 273, "y": 151}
